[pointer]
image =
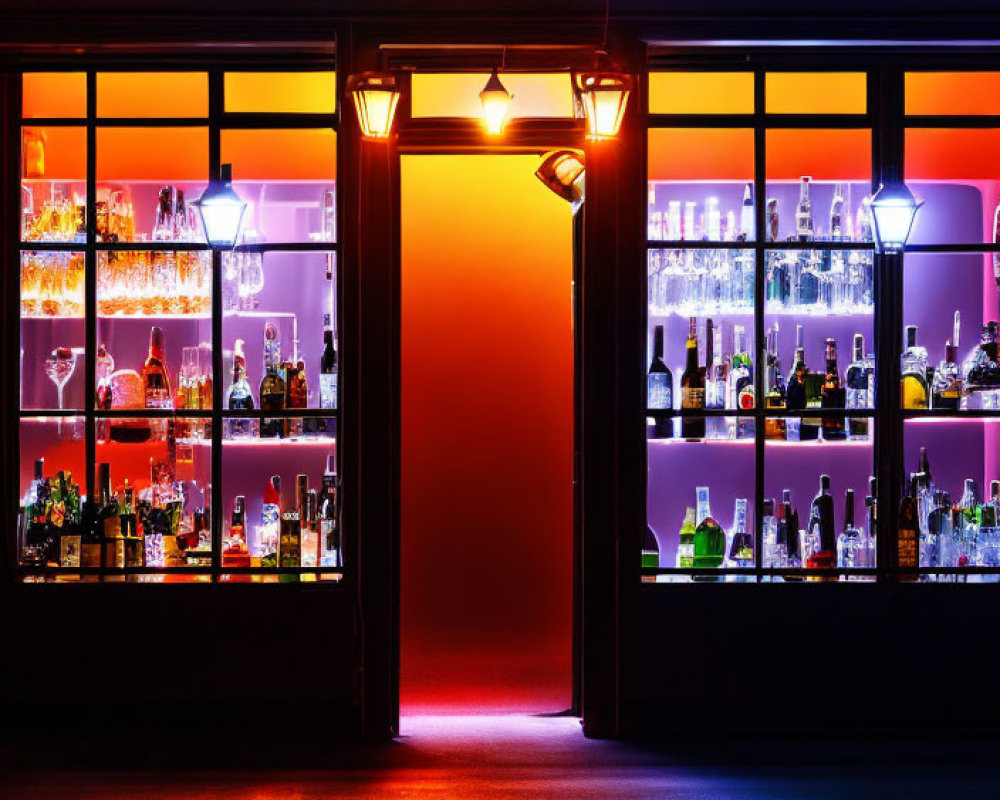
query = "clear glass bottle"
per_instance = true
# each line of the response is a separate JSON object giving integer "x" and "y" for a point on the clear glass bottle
{"x": 946, "y": 390}
{"x": 774, "y": 427}
{"x": 821, "y": 533}
{"x": 803, "y": 212}
{"x": 769, "y": 525}
{"x": 786, "y": 550}
{"x": 747, "y": 214}
{"x": 331, "y": 552}
{"x": 239, "y": 397}
{"x": 849, "y": 540}
{"x": 860, "y": 381}
{"x": 741, "y": 541}
{"x": 837, "y": 208}
{"x": 328, "y": 368}
{"x": 741, "y": 388}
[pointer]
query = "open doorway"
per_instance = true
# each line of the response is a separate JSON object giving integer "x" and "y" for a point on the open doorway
{"x": 487, "y": 421}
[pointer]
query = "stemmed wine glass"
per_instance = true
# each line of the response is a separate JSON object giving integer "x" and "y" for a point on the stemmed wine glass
{"x": 60, "y": 366}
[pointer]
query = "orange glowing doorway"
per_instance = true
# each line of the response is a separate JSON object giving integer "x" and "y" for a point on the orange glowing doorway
{"x": 487, "y": 437}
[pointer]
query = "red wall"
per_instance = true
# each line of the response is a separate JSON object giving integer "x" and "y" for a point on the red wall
{"x": 487, "y": 437}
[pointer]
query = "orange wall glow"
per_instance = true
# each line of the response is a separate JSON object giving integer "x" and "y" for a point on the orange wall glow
{"x": 826, "y": 155}
{"x": 65, "y": 152}
{"x": 700, "y": 154}
{"x": 281, "y": 155}
{"x": 152, "y": 94}
{"x": 54, "y": 94}
{"x": 152, "y": 154}
{"x": 281, "y": 92}
{"x": 456, "y": 94}
{"x": 487, "y": 436}
{"x": 700, "y": 92}
{"x": 950, "y": 153}
{"x": 816, "y": 92}
{"x": 952, "y": 93}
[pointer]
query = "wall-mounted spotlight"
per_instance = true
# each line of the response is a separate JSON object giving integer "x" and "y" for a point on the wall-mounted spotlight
{"x": 496, "y": 104}
{"x": 563, "y": 172}
{"x": 375, "y": 96}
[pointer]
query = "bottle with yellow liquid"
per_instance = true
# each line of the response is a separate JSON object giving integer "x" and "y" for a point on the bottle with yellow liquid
{"x": 913, "y": 369}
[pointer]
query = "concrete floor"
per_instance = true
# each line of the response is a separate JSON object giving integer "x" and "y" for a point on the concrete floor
{"x": 522, "y": 757}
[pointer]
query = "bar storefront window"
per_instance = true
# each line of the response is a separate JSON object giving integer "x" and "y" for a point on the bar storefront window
{"x": 178, "y": 402}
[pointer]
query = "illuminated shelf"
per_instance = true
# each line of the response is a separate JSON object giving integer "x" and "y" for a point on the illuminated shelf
{"x": 274, "y": 442}
{"x": 51, "y": 316}
{"x": 748, "y": 311}
{"x": 807, "y": 444}
{"x": 118, "y": 317}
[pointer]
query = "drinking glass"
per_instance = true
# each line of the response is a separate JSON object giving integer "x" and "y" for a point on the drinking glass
{"x": 59, "y": 367}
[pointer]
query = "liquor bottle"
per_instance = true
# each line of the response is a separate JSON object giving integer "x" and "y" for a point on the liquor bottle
{"x": 803, "y": 212}
{"x": 310, "y": 531}
{"x": 787, "y": 540}
{"x": 66, "y": 552}
{"x": 937, "y": 544}
{"x": 913, "y": 367}
{"x": 239, "y": 397}
{"x": 907, "y": 536}
{"x": 296, "y": 395}
{"x": 796, "y": 390}
{"x": 713, "y": 220}
{"x": 833, "y": 395}
{"x": 133, "y": 537}
{"x": 849, "y": 541}
{"x": 772, "y": 219}
{"x": 837, "y": 214}
{"x": 769, "y": 533}
{"x": 163, "y": 226}
{"x": 92, "y": 537}
{"x": 270, "y": 519}
{"x": 108, "y": 519}
{"x": 235, "y": 553}
{"x": 332, "y": 554}
{"x": 863, "y": 223}
{"x": 155, "y": 378}
{"x": 746, "y": 214}
{"x": 946, "y": 391}
{"x": 328, "y": 368}
{"x": 660, "y": 386}
{"x": 821, "y": 534}
{"x": 860, "y": 380}
{"x": 272, "y": 385}
{"x": 685, "y": 546}
{"x": 741, "y": 547}
{"x": 709, "y": 537}
{"x": 871, "y": 503}
{"x": 290, "y": 541}
{"x": 689, "y": 231}
{"x": 692, "y": 387}
{"x": 741, "y": 393}
{"x": 716, "y": 376}
{"x": 775, "y": 400}
{"x": 650, "y": 550}
{"x": 104, "y": 368}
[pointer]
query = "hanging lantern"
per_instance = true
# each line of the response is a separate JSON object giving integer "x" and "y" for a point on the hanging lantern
{"x": 562, "y": 171}
{"x": 221, "y": 209}
{"x": 496, "y": 104}
{"x": 893, "y": 209}
{"x": 604, "y": 96}
{"x": 375, "y": 96}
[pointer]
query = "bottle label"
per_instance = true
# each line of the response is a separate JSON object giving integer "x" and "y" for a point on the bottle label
{"x": 692, "y": 398}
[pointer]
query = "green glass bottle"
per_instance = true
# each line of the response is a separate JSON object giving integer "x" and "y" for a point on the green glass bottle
{"x": 709, "y": 537}
{"x": 650, "y": 549}
{"x": 685, "y": 549}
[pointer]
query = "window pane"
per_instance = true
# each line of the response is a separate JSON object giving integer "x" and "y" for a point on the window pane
{"x": 288, "y": 179}
{"x": 957, "y": 174}
{"x": 818, "y": 167}
{"x": 699, "y": 181}
{"x": 51, "y": 530}
{"x": 677, "y": 467}
{"x": 952, "y": 93}
{"x": 292, "y": 295}
{"x": 52, "y": 330}
{"x": 281, "y": 92}
{"x": 816, "y": 92}
{"x": 701, "y": 92}
{"x": 457, "y": 94}
{"x": 53, "y": 184}
{"x": 54, "y": 94}
{"x": 152, "y": 94}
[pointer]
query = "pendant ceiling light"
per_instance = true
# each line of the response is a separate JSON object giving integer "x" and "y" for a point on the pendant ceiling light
{"x": 375, "y": 96}
{"x": 893, "y": 210}
{"x": 602, "y": 92}
{"x": 496, "y": 104}
{"x": 221, "y": 209}
{"x": 562, "y": 171}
